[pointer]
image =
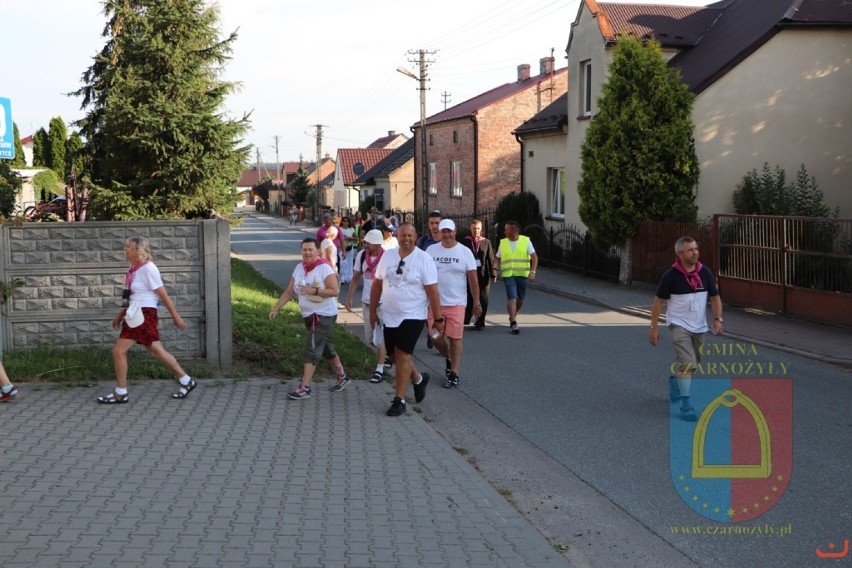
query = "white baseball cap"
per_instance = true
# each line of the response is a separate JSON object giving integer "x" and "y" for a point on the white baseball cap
{"x": 374, "y": 237}
{"x": 446, "y": 224}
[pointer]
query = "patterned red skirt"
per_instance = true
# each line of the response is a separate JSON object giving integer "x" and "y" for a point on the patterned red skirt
{"x": 145, "y": 334}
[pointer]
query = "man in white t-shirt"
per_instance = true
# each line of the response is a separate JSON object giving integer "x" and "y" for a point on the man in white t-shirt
{"x": 406, "y": 284}
{"x": 456, "y": 271}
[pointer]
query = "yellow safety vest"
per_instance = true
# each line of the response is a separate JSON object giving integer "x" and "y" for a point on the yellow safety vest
{"x": 515, "y": 263}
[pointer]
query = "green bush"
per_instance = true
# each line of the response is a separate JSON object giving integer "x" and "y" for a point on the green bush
{"x": 520, "y": 207}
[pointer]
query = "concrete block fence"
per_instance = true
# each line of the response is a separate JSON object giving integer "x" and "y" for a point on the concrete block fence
{"x": 66, "y": 280}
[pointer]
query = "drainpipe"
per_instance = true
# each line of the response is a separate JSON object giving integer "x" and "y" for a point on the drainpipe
{"x": 475, "y": 162}
{"x": 521, "y": 142}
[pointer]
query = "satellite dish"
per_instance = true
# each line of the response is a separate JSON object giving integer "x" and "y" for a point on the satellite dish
{"x": 358, "y": 168}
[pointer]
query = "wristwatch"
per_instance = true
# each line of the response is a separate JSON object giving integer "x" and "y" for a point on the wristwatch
{"x": 439, "y": 320}
{"x": 720, "y": 320}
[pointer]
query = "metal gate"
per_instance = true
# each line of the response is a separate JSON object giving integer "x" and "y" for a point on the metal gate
{"x": 798, "y": 266}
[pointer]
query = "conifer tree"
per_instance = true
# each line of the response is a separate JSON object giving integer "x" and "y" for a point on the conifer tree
{"x": 74, "y": 154}
{"x": 20, "y": 161}
{"x": 40, "y": 145}
{"x": 158, "y": 143}
{"x": 638, "y": 156}
{"x": 55, "y": 153}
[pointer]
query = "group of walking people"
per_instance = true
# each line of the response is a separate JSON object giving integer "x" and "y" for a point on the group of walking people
{"x": 434, "y": 282}
{"x": 409, "y": 284}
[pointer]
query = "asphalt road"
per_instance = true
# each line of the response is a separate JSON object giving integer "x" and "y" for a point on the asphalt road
{"x": 570, "y": 419}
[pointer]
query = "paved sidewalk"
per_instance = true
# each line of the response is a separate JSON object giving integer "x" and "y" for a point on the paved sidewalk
{"x": 237, "y": 475}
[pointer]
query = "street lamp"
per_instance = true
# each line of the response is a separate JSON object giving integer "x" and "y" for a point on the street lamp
{"x": 425, "y": 166}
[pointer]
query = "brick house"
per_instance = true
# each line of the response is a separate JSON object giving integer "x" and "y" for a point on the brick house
{"x": 471, "y": 152}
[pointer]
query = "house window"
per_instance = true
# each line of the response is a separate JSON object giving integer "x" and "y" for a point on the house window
{"x": 431, "y": 140}
{"x": 556, "y": 177}
{"x": 433, "y": 178}
{"x": 455, "y": 136}
{"x": 457, "y": 186}
{"x": 586, "y": 88}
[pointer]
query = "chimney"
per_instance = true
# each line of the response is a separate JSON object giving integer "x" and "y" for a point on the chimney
{"x": 391, "y": 132}
{"x": 523, "y": 72}
{"x": 546, "y": 65}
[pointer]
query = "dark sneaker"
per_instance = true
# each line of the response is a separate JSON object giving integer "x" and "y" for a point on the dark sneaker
{"x": 688, "y": 413}
{"x": 452, "y": 380}
{"x": 674, "y": 390}
{"x": 428, "y": 341}
{"x": 8, "y": 396}
{"x": 420, "y": 388}
{"x": 397, "y": 407}
{"x": 341, "y": 384}
{"x": 377, "y": 377}
{"x": 300, "y": 393}
{"x": 513, "y": 327}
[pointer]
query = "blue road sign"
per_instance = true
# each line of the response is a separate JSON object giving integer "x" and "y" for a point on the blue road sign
{"x": 7, "y": 130}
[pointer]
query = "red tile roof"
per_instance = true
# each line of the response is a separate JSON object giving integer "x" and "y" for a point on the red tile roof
{"x": 472, "y": 106}
{"x": 353, "y": 162}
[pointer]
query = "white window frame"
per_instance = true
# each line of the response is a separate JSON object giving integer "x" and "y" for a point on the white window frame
{"x": 456, "y": 190}
{"x": 558, "y": 182}
{"x": 586, "y": 87}
{"x": 433, "y": 178}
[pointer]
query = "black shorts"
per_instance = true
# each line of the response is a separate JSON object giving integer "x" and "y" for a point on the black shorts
{"x": 403, "y": 337}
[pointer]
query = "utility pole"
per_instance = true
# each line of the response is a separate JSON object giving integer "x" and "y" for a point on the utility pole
{"x": 318, "y": 201}
{"x": 445, "y": 98}
{"x": 278, "y": 171}
{"x": 423, "y": 63}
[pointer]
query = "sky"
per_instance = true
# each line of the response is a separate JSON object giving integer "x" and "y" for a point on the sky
{"x": 300, "y": 63}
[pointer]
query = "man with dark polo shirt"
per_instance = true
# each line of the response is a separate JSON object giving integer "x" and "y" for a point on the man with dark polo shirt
{"x": 685, "y": 287}
{"x": 406, "y": 284}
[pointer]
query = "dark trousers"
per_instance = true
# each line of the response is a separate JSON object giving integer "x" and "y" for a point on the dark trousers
{"x": 483, "y": 299}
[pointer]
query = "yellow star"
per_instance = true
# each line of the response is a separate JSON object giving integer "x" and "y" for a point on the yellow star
{"x": 774, "y": 488}
{"x": 686, "y": 488}
{"x": 704, "y": 505}
{"x": 780, "y": 478}
{"x": 745, "y": 509}
{"x": 766, "y": 497}
{"x": 695, "y": 497}
{"x": 716, "y": 509}
{"x": 681, "y": 477}
{"x": 731, "y": 513}
{"x": 757, "y": 505}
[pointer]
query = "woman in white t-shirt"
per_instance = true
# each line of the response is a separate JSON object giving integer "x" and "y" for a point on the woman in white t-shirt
{"x": 328, "y": 250}
{"x": 143, "y": 290}
{"x": 314, "y": 283}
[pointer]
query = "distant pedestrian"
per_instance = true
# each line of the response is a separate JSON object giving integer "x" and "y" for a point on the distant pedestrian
{"x": 433, "y": 234}
{"x": 347, "y": 255}
{"x": 456, "y": 272}
{"x": 516, "y": 262}
{"x": 8, "y": 392}
{"x": 390, "y": 241}
{"x": 315, "y": 286}
{"x": 329, "y": 250}
{"x": 406, "y": 284}
{"x": 483, "y": 254}
{"x": 685, "y": 287}
{"x": 143, "y": 292}
{"x": 366, "y": 263}
{"x": 294, "y": 214}
{"x": 327, "y": 223}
